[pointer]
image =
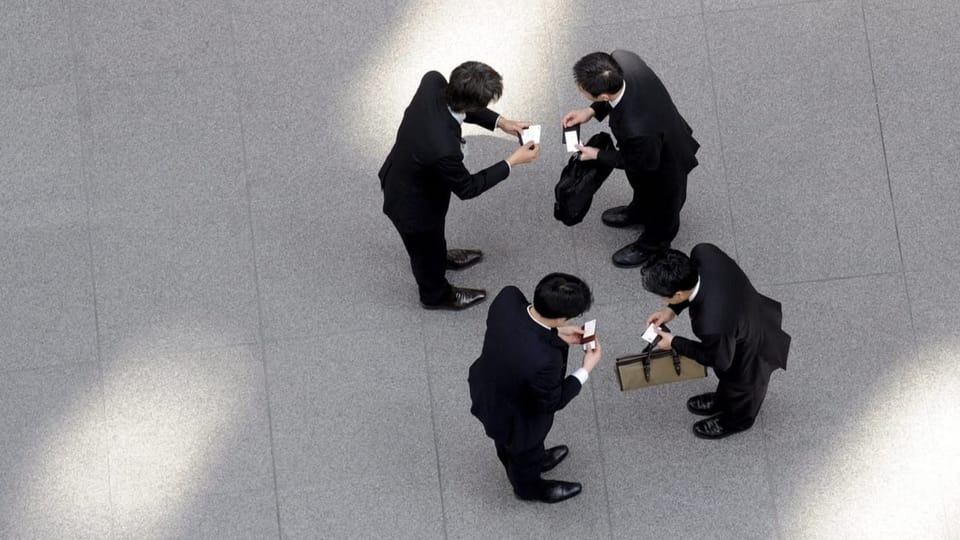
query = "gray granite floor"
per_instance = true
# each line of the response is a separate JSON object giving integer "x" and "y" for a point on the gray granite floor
{"x": 209, "y": 330}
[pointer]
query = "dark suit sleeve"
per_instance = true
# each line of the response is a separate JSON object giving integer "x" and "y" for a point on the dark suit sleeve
{"x": 635, "y": 154}
{"x": 483, "y": 118}
{"x": 712, "y": 350}
{"x": 678, "y": 308}
{"x": 465, "y": 185}
{"x": 600, "y": 109}
{"x": 549, "y": 395}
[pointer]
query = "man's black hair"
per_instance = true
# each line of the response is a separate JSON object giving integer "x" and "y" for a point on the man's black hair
{"x": 669, "y": 272}
{"x": 598, "y": 73}
{"x": 561, "y": 296}
{"x": 472, "y": 86}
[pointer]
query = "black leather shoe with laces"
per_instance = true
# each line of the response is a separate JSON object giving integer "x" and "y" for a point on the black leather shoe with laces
{"x": 631, "y": 256}
{"x": 618, "y": 217}
{"x": 459, "y": 299}
{"x": 555, "y": 491}
{"x": 703, "y": 404}
{"x": 458, "y": 259}
{"x": 713, "y": 428}
{"x": 554, "y": 456}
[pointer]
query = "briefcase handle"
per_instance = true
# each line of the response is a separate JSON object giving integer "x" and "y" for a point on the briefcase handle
{"x": 646, "y": 361}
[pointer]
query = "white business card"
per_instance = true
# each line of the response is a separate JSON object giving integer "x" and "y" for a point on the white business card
{"x": 530, "y": 134}
{"x": 589, "y": 331}
{"x": 650, "y": 334}
{"x": 571, "y": 139}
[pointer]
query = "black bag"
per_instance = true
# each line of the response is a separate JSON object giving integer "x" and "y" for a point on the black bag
{"x": 579, "y": 181}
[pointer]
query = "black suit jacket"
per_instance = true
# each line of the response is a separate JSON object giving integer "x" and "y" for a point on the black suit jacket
{"x": 425, "y": 164}
{"x": 655, "y": 142}
{"x": 518, "y": 382}
{"x": 739, "y": 329}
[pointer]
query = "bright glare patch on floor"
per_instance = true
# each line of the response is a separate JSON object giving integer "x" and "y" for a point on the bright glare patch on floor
{"x": 173, "y": 422}
{"x": 494, "y": 36}
{"x": 894, "y": 475}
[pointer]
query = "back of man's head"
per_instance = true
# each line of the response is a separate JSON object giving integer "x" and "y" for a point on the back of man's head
{"x": 598, "y": 73}
{"x": 669, "y": 272}
{"x": 472, "y": 86}
{"x": 561, "y": 296}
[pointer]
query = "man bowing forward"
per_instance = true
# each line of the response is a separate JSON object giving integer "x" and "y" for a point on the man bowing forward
{"x": 739, "y": 330}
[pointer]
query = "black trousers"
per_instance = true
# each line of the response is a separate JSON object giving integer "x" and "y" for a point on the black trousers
{"x": 740, "y": 399}
{"x": 656, "y": 205}
{"x": 428, "y": 259}
{"x": 523, "y": 469}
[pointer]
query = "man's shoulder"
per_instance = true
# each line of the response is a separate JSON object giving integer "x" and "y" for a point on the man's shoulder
{"x": 510, "y": 295}
{"x": 707, "y": 250}
{"x": 433, "y": 78}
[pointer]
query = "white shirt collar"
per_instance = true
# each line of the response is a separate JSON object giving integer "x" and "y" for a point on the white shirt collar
{"x": 693, "y": 294}
{"x": 616, "y": 101}
{"x": 459, "y": 117}
{"x": 530, "y": 313}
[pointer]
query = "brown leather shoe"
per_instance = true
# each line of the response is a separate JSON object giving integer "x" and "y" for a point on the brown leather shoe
{"x": 459, "y": 299}
{"x": 458, "y": 259}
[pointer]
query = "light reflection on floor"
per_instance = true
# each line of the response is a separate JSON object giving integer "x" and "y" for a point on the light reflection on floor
{"x": 895, "y": 473}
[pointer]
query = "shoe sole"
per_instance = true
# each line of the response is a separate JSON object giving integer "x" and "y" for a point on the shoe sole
{"x": 622, "y": 225}
{"x": 702, "y": 412}
{"x": 637, "y": 265}
{"x": 465, "y": 266}
{"x": 447, "y": 308}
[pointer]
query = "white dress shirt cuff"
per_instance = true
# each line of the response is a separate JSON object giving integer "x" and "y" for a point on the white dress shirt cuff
{"x": 581, "y": 375}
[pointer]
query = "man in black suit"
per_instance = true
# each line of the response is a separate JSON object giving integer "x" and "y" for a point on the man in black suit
{"x": 518, "y": 382}
{"x": 656, "y": 147}
{"x": 425, "y": 166}
{"x": 739, "y": 331}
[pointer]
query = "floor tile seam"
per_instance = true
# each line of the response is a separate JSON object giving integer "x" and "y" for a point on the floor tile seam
{"x": 186, "y": 351}
{"x": 603, "y": 462}
{"x": 435, "y": 430}
{"x": 234, "y": 74}
{"x": 105, "y": 80}
{"x": 145, "y": 209}
{"x": 21, "y": 87}
{"x": 66, "y": 366}
{"x": 883, "y": 143}
{"x": 87, "y": 188}
{"x": 637, "y": 20}
{"x": 320, "y": 334}
{"x": 922, "y": 366}
{"x": 849, "y": 277}
{"x": 716, "y": 115}
{"x": 768, "y": 476}
{"x": 770, "y": 6}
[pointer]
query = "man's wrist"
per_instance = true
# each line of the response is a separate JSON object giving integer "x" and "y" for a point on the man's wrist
{"x": 582, "y": 375}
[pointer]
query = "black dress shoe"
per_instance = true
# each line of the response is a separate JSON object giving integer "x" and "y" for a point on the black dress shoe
{"x": 631, "y": 256}
{"x": 459, "y": 299}
{"x": 619, "y": 217}
{"x": 703, "y": 404}
{"x": 713, "y": 428}
{"x": 558, "y": 490}
{"x": 458, "y": 259}
{"x": 554, "y": 456}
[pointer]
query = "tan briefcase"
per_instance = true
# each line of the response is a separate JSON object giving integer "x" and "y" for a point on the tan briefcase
{"x": 653, "y": 367}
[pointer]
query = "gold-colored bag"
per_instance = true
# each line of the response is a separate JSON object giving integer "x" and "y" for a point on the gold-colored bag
{"x": 652, "y": 367}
